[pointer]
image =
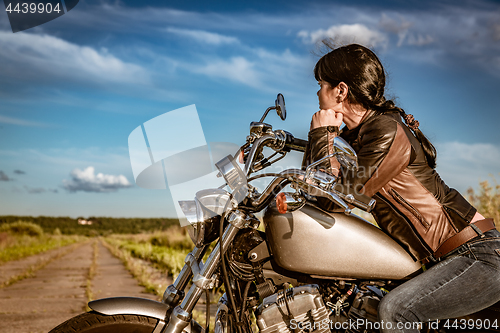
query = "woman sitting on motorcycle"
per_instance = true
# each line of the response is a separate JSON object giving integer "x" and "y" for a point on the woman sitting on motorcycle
{"x": 433, "y": 222}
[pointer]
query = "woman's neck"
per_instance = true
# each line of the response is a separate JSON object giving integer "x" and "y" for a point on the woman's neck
{"x": 353, "y": 115}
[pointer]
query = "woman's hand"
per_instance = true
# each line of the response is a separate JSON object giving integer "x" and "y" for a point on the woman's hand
{"x": 326, "y": 117}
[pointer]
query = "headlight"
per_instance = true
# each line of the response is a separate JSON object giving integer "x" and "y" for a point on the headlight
{"x": 210, "y": 206}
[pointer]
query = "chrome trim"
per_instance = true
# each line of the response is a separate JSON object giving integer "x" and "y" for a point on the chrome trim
{"x": 130, "y": 305}
{"x": 209, "y": 268}
{"x": 237, "y": 219}
{"x": 255, "y": 148}
{"x": 159, "y": 326}
{"x": 257, "y": 129}
{"x": 267, "y": 111}
{"x": 179, "y": 320}
{"x": 222, "y": 315}
{"x": 175, "y": 292}
{"x": 199, "y": 280}
{"x": 231, "y": 172}
{"x": 192, "y": 297}
{"x": 293, "y": 201}
{"x": 311, "y": 167}
{"x": 291, "y": 174}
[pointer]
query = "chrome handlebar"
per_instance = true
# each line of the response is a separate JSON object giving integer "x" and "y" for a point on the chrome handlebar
{"x": 315, "y": 185}
{"x": 275, "y": 140}
{"x": 312, "y": 181}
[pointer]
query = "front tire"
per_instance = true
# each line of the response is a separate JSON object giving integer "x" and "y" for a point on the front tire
{"x": 93, "y": 322}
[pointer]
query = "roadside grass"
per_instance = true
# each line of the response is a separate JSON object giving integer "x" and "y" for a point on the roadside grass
{"x": 31, "y": 270}
{"x": 154, "y": 259}
{"x": 90, "y": 274}
{"x": 150, "y": 278}
{"x": 22, "y": 239}
{"x": 165, "y": 250}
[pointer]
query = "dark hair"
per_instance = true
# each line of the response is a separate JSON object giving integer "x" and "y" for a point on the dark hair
{"x": 361, "y": 70}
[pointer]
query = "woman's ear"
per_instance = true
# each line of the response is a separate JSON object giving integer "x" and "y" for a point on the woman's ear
{"x": 343, "y": 89}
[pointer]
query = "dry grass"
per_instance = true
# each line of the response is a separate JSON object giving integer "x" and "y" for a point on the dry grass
{"x": 22, "y": 239}
{"x": 30, "y": 271}
{"x": 165, "y": 250}
{"x": 91, "y": 273}
{"x": 153, "y": 280}
{"x": 487, "y": 200}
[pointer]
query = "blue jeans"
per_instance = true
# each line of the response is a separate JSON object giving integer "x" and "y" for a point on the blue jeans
{"x": 465, "y": 281}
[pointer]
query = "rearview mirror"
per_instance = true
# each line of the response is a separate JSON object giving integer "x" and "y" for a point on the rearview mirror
{"x": 345, "y": 154}
{"x": 280, "y": 106}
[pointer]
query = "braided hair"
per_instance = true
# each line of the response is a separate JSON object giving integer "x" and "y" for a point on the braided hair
{"x": 361, "y": 70}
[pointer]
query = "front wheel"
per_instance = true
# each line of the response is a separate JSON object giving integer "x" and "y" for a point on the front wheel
{"x": 93, "y": 322}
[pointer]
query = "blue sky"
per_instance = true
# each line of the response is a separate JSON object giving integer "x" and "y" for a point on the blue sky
{"x": 73, "y": 89}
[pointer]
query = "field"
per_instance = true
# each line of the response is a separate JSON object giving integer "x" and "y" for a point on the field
{"x": 49, "y": 277}
{"x": 21, "y": 239}
{"x": 71, "y": 261}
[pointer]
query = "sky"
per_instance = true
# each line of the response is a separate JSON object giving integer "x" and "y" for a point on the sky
{"x": 72, "y": 90}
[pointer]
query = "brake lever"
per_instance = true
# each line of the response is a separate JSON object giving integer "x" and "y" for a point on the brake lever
{"x": 313, "y": 189}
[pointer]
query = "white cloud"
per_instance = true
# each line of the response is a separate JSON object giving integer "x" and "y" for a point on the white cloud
{"x": 259, "y": 68}
{"x": 394, "y": 25}
{"x": 237, "y": 69}
{"x": 204, "y": 36}
{"x": 464, "y": 165}
{"x": 347, "y": 33}
{"x": 406, "y": 27}
{"x": 419, "y": 40}
{"x": 86, "y": 180}
{"x": 42, "y": 54}
{"x": 20, "y": 122}
{"x": 399, "y": 26}
{"x": 37, "y": 190}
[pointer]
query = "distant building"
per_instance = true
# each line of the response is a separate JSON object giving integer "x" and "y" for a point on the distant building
{"x": 84, "y": 222}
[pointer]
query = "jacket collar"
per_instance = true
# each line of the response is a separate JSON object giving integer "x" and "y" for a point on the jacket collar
{"x": 351, "y": 134}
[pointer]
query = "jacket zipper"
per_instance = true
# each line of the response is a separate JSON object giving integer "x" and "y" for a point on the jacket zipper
{"x": 410, "y": 208}
{"x": 422, "y": 242}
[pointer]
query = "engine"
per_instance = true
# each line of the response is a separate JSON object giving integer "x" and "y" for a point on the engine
{"x": 303, "y": 309}
{"x": 296, "y": 309}
{"x": 364, "y": 312}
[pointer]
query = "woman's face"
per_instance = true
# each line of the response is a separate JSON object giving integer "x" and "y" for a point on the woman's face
{"x": 327, "y": 96}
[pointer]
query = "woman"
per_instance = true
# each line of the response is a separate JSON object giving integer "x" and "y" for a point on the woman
{"x": 433, "y": 222}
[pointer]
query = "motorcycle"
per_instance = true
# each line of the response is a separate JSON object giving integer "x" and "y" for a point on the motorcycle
{"x": 310, "y": 270}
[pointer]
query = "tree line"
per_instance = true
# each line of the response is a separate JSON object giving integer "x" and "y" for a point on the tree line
{"x": 100, "y": 225}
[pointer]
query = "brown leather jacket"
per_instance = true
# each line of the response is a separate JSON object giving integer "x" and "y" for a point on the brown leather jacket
{"x": 414, "y": 206}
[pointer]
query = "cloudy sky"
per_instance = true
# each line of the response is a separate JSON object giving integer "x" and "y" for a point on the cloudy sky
{"x": 73, "y": 89}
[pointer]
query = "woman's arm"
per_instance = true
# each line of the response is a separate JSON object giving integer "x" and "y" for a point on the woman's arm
{"x": 383, "y": 151}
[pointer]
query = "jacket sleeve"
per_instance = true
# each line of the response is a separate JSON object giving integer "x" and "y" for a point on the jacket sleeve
{"x": 383, "y": 151}
{"x": 320, "y": 144}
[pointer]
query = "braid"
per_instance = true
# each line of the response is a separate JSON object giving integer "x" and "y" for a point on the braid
{"x": 429, "y": 150}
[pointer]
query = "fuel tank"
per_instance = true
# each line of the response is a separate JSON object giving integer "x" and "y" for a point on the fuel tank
{"x": 323, "y": 244}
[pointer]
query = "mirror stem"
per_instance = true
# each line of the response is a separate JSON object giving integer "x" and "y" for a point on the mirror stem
{"x": 267, "y": 111}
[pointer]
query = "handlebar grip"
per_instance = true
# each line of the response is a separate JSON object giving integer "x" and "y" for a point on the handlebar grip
{"x": 293, "y": 143}
{"x": 299, "y": 142}
{"x": 355, "y": 198}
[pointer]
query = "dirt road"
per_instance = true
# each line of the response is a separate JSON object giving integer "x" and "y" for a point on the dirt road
{"x": 59, "y": 289}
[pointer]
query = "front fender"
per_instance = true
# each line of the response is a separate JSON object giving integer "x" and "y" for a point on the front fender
{"x": 130, "y": 305}
{"x": 140, "y": 306}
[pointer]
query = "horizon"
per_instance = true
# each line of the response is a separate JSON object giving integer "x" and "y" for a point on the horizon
{"x": 74, "y": 89}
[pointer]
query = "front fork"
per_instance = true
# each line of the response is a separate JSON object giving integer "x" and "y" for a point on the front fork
{"x": 180, "y": 315}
